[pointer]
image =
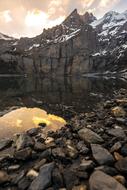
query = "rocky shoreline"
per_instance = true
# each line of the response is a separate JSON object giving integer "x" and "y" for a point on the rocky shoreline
{"x": 89, "y": 153}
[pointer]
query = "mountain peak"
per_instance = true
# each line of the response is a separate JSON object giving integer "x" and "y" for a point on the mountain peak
{"x": 73, "y": 20}
{"x": 88, "y": 18}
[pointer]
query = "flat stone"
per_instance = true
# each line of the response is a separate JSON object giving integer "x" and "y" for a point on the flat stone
{"x": 43, "y": 180}
{"x": 118, "y": 132}
{"x": 101, "y": 155}
{"x": 23, "y": 154}
{"x": 121, "y": 165}
{"x": 5, "y": 143}
{"x": 89, "y": 136}
{"x": 107, "y": 169}
{"x": 13, "y": 167}
{"x": 101, "y": 181}
{"x": 86, "y": 165}
{"x": 23, "y": 141}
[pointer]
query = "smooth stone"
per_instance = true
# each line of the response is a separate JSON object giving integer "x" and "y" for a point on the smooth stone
{"x": 121, "y": 165}
{"x": 23, "y": 154}
{"x": 13, "y": 167}
{"x": 23, "y": 141}
{"x": 89, "y": 136}
{"x": 117, "y": 146}
{"x": 43, "y": 180}
{"x": 71, "y": 149}
{"x": 39, "y": 164}
{"x": 101, "y": 155}
{"x": 118, "y": 132}
{"x": 101, "y": 181}
{"x": 4, "y": 177}
{"x": 5, "y": 143}
{"x": 107, "y": 169}
{"x": 86, "y": 165}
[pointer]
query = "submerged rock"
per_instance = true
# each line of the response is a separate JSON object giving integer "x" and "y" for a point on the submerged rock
{"x": 102, "y": 181}
{"x": 89, "y": 136}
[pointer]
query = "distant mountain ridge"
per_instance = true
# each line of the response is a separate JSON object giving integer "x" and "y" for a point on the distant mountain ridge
{"x": 80, "y": 44}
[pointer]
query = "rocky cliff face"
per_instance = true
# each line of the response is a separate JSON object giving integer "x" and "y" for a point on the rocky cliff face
{"x": 79, "y": 45}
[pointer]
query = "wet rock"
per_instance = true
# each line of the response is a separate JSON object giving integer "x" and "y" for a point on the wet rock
{"x": 43, "y": 180}
{"x": 118, "y": 132}
{"x": 122, "y": 121}
{"x": 108, "y": 170}
{"x": 39, "y": 164}
{"x": 89, "y": 136}
{"x": 23, "y": 154}
{"x": 101, "y": 181}
{"x": 118, "y": 112}
{"x": 4, "y": 177}
{"x": 121, "y": 165}
{"x": 101, "y": 155}
{"x": 5, "y": 143}
{"x": 82, "y": 148}
{"x": 117, "y": 146}
{"x": 23, "y": 141}
{"x": 86, "y": 165}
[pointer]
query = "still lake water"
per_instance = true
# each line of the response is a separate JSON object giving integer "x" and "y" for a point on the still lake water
{"x": 52, "y": 94}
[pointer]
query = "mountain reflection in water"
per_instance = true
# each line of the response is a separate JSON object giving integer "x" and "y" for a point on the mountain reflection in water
{"x": 50, "y": 94}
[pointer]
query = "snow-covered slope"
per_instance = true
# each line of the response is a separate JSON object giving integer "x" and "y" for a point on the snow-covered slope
{"x": 5, "y": 37}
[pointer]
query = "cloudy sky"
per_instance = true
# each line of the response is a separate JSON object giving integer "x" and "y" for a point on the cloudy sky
{"x": 29, "y": 17}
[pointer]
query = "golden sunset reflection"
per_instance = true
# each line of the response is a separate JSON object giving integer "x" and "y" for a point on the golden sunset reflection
{"x": 26, "y": 118}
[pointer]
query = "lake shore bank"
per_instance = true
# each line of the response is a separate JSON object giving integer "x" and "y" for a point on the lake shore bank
{"x": 89, "y": 153}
